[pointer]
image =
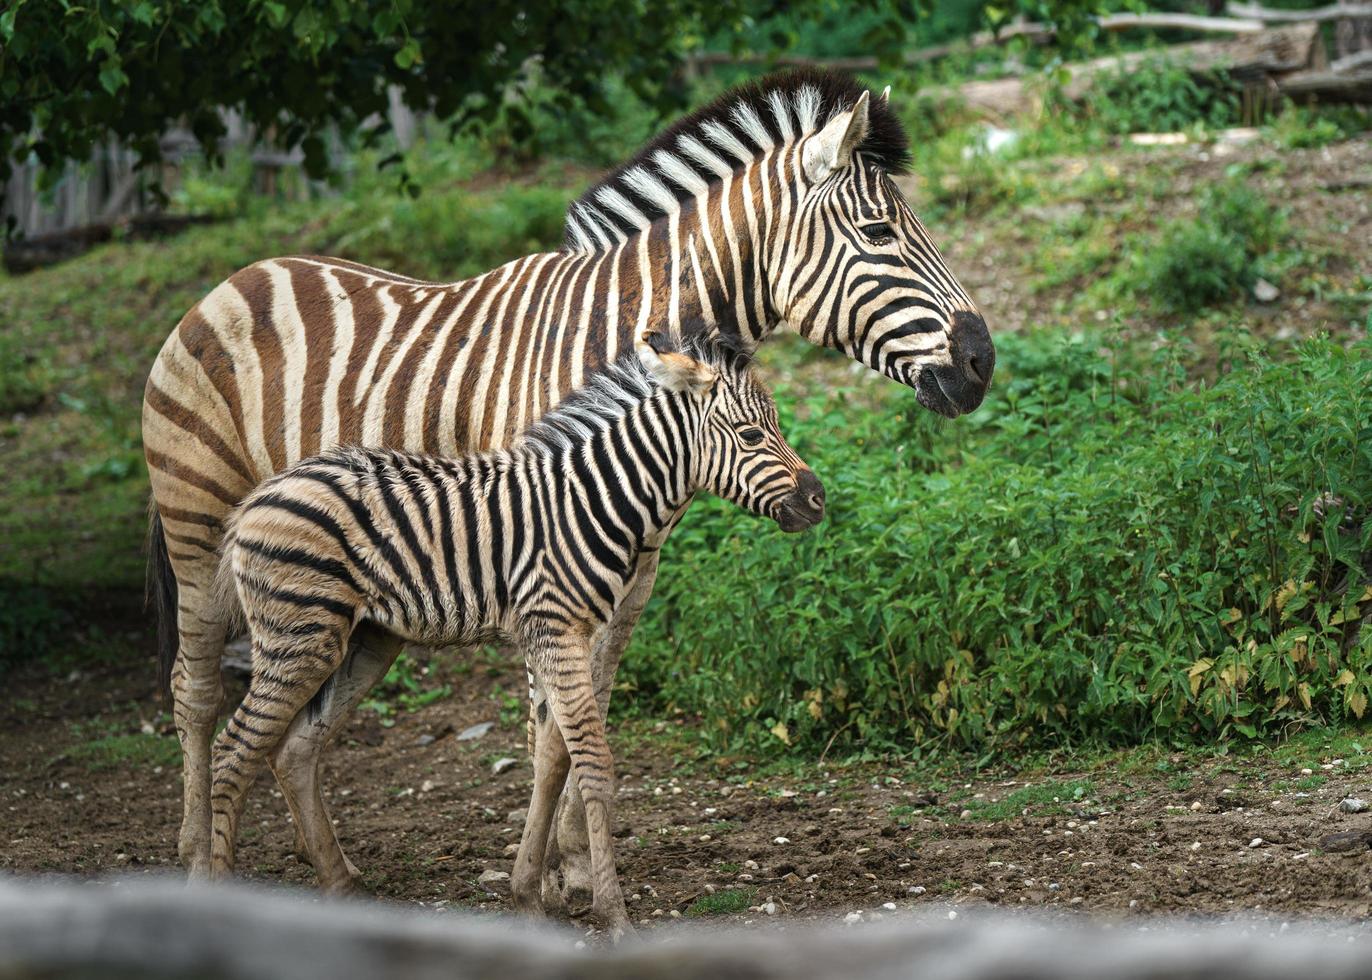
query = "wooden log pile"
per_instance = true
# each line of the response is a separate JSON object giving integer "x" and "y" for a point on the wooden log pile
{"x": 147, "y": 927}
{"x": 1289, "y": 60}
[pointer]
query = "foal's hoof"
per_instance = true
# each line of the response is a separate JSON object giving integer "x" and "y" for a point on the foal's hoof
{"x": 576, "y": 880}
{"x": 348, "y": 886}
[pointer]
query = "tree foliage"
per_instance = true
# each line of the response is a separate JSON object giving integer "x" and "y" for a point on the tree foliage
{"x": 73, "y": 74}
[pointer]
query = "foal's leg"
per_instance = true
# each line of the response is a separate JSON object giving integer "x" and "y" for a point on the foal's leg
{"x": 296, "y": 761}
{"x": 563, "y": 668}
{"x": 569, "y": 846}
{"x": 551, "y": 764}
{"x": 284, "y": 679}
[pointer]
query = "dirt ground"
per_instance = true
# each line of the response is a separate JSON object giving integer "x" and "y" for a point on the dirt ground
{"x": 89, "y": 777}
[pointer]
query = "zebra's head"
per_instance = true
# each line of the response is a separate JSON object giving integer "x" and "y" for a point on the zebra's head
{"x": 741, "y": 454}
{"x": 859, "y": 271}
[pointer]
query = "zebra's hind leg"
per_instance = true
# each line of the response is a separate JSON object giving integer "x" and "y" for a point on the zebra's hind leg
{"x": 286, "y": 674}
{"x": 551, "y": 765}
{"x": 296, "y": 761}
{"x": 197, "y": 693}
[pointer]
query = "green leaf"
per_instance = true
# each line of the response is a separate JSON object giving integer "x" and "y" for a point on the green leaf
{"x": 112, "y": 77}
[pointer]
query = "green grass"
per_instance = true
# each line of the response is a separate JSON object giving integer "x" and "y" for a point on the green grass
{"x": 79, "y": 339}
{"x": 1043, "y": 799}
{"x": 125, "y": 751}
{"x": 728, "y": 901}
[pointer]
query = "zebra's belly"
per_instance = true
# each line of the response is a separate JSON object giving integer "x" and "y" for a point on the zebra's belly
{"x": 451, "y": 625}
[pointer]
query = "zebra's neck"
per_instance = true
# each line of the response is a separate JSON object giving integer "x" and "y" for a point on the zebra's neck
{"x": 627, "y": 460}
{"x": 703, "y": 265}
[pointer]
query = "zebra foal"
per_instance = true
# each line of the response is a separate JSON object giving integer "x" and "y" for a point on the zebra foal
{"x": 538, "y": 544}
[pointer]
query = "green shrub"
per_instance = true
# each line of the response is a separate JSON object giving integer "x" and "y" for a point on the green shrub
{"x": 24, "y": 379}
{"x": 1157, "y": 95}
{"x": 1097, "y": 554}
{"x": 1305, "y": 127}
{"x": 30, "y": 622}
{"x": 1213, "y": 257}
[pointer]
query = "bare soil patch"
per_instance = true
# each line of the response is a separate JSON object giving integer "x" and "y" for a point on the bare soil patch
{"x": 90, "y": 785}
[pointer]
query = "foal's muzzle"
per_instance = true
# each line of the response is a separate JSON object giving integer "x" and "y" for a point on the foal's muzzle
{"x": 803, "y": 507}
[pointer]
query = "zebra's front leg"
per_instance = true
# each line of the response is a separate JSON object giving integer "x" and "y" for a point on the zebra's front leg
{"x": 562, "y": 666}
{"x": 569, "y": 847}
{"x": 296, "y": 762}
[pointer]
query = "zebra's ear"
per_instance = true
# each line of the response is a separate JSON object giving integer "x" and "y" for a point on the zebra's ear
{"x": 832, "y": 147}
{"x": 885, "y": 97}
{"x": 671, "y": 368}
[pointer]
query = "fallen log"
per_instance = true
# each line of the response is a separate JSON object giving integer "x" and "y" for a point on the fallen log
{"x": 1034, "y": 32}
{"x": 1247, "y": 58}
{"x": 1270, "y": 15}
{"x": 35, "y": 252}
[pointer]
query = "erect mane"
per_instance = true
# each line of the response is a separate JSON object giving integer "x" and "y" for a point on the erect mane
{"x": 611, "y": 391}
{"x": 736, "y": 128}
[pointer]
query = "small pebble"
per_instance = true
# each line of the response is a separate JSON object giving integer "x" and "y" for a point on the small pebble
{"x": 1256, "y": 842}
{"x": 781, "y": 840}
{"x": 1353, "y": 805}
{"x": 851, "y": 918}
{"x": 475, "y": 731}
{"x": 915, "y": 890}
{"x": 889, "y": 906}
{"x": 503, "y": 765}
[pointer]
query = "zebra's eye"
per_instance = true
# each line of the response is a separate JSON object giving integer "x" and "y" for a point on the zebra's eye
{"x": 878, "y": 233}
{"x": 752, "y": 436}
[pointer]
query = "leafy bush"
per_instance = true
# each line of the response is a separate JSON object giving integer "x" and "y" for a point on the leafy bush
{"x": 1159, "y": 96}
{"x": 1211, "y": 258}
{"x": 1099, "y": 553}
{"x": 30, "y": 622}
{"x": 1305, "y": 127}
{"x": 23, "y": 378}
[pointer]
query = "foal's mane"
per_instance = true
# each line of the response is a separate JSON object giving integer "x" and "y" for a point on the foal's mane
{"x": 611, "y": 391}
{"x": 700, "y": 149}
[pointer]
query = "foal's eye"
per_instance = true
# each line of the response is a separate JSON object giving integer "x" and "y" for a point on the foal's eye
{"x": 752, "y": 437}
{"x": 879, "y": 233}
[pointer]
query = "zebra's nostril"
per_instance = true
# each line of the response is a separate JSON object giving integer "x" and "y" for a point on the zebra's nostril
{"x": 975, "y": 370}
{"x": 817, "y": 501}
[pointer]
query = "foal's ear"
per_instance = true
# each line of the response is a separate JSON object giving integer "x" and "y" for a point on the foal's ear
{"x": 671, "y": 368}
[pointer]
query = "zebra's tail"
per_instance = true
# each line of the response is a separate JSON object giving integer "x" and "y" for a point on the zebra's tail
{"x": 160, "y": 597}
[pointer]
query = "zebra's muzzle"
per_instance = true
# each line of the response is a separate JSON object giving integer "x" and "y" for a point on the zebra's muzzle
{"x": 958, "y": 387}
{"x": 803, "y": 507}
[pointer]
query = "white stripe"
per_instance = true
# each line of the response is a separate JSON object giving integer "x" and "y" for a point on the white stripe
{"x": 747, "y": 119}
{"x": 648, "y": 187}
{"x": 720, "y": 135}
{"x": 679, "y": 173}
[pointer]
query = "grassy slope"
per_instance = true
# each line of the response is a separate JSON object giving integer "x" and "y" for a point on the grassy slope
{"x": 83, "y": 335}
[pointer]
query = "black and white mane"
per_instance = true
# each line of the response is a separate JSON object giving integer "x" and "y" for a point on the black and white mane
{"x": 719, "y": 139}
{"x": 613, "y": 390}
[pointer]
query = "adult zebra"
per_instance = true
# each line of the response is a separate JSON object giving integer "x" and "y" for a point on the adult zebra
{"x": 771, "y": 208}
